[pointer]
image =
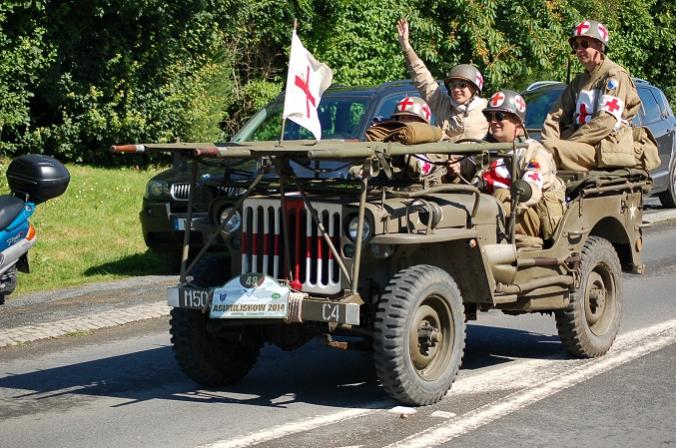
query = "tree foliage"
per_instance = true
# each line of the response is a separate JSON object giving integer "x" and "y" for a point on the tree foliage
{"x": 76, "y": 76}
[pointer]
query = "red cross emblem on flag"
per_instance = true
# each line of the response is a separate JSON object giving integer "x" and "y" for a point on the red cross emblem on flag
{"x": 479, "y": 80}
{"x": 405, "y": 103}
{"x": 520, "y": 103}
{"x": 497, "y": 99}
{"x": 304, "y": 86}
{"x": 603, "y": 32}
{"x": 582, "y": 28}
{"x": 426, "y": 110}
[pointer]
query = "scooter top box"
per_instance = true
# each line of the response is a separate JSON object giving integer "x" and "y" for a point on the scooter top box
{"x": 38, "y": 176}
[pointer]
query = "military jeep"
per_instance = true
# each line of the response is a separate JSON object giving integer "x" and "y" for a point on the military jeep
{"x": 389, "y": 263}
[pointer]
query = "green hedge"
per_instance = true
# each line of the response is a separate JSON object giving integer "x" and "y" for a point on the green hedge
{"x": 77, "y": 76}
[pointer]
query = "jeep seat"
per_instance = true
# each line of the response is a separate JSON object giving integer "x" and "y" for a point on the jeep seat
{"x": 577, "y": 181}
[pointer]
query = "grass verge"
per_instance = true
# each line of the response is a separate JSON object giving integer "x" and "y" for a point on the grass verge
{"x": 91, "y": 233}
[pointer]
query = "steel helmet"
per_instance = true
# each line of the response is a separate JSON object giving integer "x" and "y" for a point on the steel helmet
{"x": 593, "y": 29}
{"x": 466, "y": 72}
{"x": 507, "y": 101}
{"x": 413, "y": 106}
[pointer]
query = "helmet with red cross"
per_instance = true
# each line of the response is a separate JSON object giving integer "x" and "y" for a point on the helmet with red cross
{"x": 507, "y": 101}
{"x": 412, "y": 106}
{"x": 465, "y": 72}
{"x": 592, "y": 29}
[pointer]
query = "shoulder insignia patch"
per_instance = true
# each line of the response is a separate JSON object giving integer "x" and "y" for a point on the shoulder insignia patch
{"x": 533, "y": 165}
{"x": 612, "y": 84}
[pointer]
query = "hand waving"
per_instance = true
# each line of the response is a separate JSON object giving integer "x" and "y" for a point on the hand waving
{"x": 402, "y": 29}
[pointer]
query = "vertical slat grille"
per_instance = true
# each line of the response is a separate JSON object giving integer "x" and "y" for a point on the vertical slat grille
{"x": 312, "y": 263}
{"x": 180, "y": 192}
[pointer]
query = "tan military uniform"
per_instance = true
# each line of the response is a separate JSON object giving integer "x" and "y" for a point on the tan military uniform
{"x": 458, "y": 122}
{"x": 538, "y": 216}
{"x": 588, "y": 127}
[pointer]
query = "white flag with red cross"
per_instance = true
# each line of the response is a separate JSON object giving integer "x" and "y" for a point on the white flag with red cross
{"x": 306, "y": 82}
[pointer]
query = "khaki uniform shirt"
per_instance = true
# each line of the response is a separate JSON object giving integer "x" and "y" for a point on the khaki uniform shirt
{"x": 593, "y": 106}
{"x": 456, "y": 124}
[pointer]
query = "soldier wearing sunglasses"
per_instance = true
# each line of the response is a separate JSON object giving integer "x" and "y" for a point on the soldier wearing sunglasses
{"x": 536, "y": 218}
{"x": 458, "y": 109}
{"x": 588, "y": 127}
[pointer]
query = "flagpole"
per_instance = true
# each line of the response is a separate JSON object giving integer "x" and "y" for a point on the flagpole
{"x": 281, "y": 134}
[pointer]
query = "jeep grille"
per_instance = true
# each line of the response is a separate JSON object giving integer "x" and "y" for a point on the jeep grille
{"x": 312, "y": 263}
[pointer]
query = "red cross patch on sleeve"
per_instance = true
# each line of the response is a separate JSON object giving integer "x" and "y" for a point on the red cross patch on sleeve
{"x": 534, "y": 178}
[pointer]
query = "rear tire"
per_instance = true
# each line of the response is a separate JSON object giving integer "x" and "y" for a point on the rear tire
{"x": 589, "y": 325}
{"x": 419, "y": 335}
{"x": 204, "y": 357}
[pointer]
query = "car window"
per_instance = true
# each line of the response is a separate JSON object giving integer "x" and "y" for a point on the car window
{"x": 539, "y": 102}
{"x": 663, "y": 103}
{"x": 341, "y": 118}
{"x": 651, "y": 110}
{"x": 387, "y": 106}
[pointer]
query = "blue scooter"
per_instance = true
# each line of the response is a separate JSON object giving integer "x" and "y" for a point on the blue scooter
{"x": 32, "y": 179}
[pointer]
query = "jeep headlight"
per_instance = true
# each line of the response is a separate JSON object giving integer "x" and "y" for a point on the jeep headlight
{"x": 234, "y": 223}
{"x": 352, "y": 229}
{"x": 157, "y": 189}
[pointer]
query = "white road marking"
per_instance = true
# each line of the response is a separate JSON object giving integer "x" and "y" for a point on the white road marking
{"x": 443, "y": 414}
{"x": 630, "y": 347}
{"x": 536, "y": 379}
{"x": 299, "y": 426}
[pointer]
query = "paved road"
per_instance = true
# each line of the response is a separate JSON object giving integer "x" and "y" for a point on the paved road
{"x": 120, "y": 386}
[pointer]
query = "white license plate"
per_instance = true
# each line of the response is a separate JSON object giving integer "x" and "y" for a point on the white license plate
{"x": 250, "y": 296}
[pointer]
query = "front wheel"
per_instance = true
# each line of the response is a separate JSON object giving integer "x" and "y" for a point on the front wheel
{"x": 419, "y": 335}
{"x": 589, "y": 325}
{"x": 207, "y": 358}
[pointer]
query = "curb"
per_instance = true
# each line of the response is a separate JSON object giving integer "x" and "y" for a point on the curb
{"x": 48, "y": 330}
{"x": 31, "y": 333}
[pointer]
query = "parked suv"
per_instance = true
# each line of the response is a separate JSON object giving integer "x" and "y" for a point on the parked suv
{"x": 345, "y": 114}
{"x": 655, "y": 114}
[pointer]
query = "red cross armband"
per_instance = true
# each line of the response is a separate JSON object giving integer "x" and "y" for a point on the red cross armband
{"x": 613, "y": 105}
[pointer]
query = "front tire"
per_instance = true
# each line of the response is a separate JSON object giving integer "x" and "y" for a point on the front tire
{"x": 589, "y": 325}
{"x": 207, "y": 358}
{"x": 419, "y": 335}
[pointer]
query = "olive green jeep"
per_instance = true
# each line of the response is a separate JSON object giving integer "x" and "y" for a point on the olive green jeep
{"x": 388, "y": 263}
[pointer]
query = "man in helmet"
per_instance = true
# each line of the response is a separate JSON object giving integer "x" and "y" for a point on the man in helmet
{"x": 458, "y": 110}
{"x": 412, "y": 109}
{"x": 588, "y": 127}
{"x": 410, "y": 125}
{"x": 538, "y": 216}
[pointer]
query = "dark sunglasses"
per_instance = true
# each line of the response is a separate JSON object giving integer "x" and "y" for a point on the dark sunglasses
{"x": 580, "y": 44}
{"x": 458, "y": 85}
{"x": 497, "y": 116}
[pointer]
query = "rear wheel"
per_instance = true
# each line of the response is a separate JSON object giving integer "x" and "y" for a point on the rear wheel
{"x": 419, "y": 335}
{"x": 210, "y": 359}
{"x": 589, "y": 325}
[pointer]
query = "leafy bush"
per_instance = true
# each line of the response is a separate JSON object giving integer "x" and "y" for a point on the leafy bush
{"x": 76, "y": 76}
